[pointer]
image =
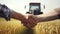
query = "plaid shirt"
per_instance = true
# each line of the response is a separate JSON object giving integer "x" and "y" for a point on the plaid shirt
{"x": 5, "y": 12}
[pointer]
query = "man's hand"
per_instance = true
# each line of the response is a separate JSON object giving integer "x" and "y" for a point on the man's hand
{"x": 30, "y": 22}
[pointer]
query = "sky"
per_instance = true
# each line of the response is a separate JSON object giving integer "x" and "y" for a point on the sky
{"x": 19, "y": 5}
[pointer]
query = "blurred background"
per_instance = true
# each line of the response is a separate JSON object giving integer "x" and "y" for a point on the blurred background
{"x": 22, "y": 6}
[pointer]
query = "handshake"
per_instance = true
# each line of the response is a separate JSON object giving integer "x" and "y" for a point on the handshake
{"x": 27, "y": 20}
{"x": 31, "y": 21}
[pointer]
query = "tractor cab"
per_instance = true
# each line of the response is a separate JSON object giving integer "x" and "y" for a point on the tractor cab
{"x": 35, "y": 8}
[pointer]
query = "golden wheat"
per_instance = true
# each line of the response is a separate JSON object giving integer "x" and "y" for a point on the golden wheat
{"x": 11, "y": 27}
{"x": 49, "y": 27}
{"x": 15, "y": 27}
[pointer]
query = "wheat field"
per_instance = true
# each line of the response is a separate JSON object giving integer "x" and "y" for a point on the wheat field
{"x": 48, "y": 27}
{"x": 11, "y": 27}
{"x": 16, "y": 27}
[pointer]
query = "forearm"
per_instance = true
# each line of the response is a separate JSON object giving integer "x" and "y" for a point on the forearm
{"x": 49, "y": 16}
{"x": 17, "y": 16}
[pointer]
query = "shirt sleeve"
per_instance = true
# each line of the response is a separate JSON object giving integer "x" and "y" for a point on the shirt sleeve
{"x": 59, "y": 16}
